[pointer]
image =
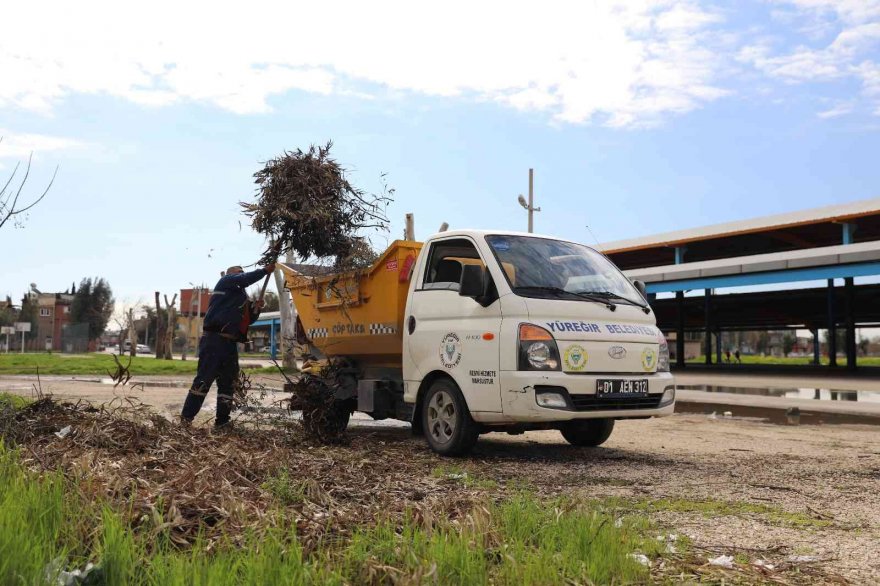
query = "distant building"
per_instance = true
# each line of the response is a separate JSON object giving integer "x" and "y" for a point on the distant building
{"x": 692, "y": 344}
{"x": 193, "y": 304}
{"x": 53, "y": 315}
{"x": 190, "y": 316}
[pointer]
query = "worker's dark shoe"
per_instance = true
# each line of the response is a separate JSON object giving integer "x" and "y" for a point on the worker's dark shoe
{"x": 185, "y": 421}
{"x": 223, "y": 427}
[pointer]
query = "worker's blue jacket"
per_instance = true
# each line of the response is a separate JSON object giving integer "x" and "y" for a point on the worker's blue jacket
{"x": 230, "y": 312}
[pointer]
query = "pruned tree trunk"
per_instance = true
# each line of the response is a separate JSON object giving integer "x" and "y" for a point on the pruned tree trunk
{"x": 189, "y": 328}
{"x": 132, "y": 333}
{"x": 160, "y": 330}
{"x": 169, "y": 332}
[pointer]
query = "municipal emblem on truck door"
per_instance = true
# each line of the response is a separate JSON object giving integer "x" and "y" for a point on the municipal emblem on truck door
{"x": 450, "y": 350}
{"x": 649, "y": 359}
{"x": 575, "y": 357}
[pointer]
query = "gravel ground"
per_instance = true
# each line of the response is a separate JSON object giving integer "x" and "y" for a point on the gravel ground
{"x": 805, "y": 499}
{"x": 821, "y": 484}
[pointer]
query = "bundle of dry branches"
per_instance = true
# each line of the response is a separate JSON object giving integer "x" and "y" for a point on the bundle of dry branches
{"x": 306, "y": 204}
{"x": 323, "y": 417}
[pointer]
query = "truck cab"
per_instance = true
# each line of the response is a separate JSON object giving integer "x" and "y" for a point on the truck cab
{"x": 506, "y": 331}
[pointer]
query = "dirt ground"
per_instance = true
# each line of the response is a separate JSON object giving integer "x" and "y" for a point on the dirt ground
{"x": 803, "y": 499}
{"x": 830, "y": 474}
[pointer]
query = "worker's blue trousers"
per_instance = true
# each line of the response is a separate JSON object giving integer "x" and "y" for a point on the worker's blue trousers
{"x": 218, "y": 360}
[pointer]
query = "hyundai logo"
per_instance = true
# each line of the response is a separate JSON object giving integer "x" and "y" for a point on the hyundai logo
{"x": 617, "y": 352}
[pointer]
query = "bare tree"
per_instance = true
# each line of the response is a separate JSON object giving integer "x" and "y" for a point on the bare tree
{"x": 132, "y": 333}
{"x": 172, "y": 318}
{"x": 160, "y": 330}
{"x": 10, "y": 194}
{"x": 122, "y": 324}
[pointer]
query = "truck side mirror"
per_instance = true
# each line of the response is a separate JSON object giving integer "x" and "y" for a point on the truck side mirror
{"x": 473, "y": 281}
{"x": 640, "y": 285}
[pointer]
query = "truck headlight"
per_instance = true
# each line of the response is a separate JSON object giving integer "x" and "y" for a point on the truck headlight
{"x": 537, "y": 349}
{"x": 663, "y": 356}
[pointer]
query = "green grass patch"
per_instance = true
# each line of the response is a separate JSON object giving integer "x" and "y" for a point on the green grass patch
{"x": 714, "y": 508}
{"x": 285, "y": 489}
{"x": 14, "y": 401}
{"x": 46, "y": 522}
{"x": 519, "y": 541}
{"x": 273, "y": 370}
{"x": 94, "y": 364}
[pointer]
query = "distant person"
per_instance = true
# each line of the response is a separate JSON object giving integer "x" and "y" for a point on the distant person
{"x": 230, "y": 314}
{"x": 727, "y": 355}
{"x": 736, "y": 355}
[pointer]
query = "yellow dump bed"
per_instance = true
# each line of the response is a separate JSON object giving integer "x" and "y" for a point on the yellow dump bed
{"x": 358, "y": 315}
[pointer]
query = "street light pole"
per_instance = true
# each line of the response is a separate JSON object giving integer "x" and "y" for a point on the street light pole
{"x": 530, "y": 205}
{"x": 531, "y": 200}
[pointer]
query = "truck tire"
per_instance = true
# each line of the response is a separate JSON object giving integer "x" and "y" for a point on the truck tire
{"x": 587, "y": 432}
{"x": 446, "y": 420}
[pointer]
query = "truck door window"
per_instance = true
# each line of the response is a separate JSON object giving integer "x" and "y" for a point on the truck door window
{"x": 446, "y": 262}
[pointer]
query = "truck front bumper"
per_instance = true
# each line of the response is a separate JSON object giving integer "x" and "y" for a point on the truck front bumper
{"x": 520, "y": 391}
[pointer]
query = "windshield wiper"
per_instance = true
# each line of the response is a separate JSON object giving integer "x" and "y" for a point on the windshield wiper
{"x": 612, "y": 295}
{"x": 560, "y": 291}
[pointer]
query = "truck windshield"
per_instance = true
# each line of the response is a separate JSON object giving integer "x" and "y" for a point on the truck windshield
{"x": 541, "y": 267}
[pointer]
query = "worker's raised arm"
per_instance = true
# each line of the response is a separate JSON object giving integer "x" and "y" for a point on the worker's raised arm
{"x": 247, "y": 279}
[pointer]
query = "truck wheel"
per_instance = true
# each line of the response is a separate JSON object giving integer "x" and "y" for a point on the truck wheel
{"x": 587, "y": 432}
{"x": 446, "y": 420}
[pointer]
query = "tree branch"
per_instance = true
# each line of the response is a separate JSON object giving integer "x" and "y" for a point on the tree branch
{"x": 8, "y": 181}
{"x": 9, "y": 210}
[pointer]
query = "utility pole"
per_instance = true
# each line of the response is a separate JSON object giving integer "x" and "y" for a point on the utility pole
{"x": 530, "y": 205}
{"x": 410, "y": 231}
{"x": 286, "y": 340}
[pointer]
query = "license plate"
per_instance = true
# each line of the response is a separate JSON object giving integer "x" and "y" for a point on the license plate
{"x": 617, "y": 388}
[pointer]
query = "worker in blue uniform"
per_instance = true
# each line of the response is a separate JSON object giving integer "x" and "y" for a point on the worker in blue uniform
{"x": 230, "y": 314}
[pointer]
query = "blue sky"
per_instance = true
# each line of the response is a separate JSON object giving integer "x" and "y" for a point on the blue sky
{"x": 638, "y": 117}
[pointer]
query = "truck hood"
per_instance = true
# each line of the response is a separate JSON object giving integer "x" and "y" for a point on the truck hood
{"x": 591, "y": 338}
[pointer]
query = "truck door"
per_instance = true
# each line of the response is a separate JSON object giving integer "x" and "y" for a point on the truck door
{"x": 455, "y": 334}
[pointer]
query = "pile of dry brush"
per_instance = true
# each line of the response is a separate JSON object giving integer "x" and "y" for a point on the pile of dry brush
{"x": 306, "y": 204}
{"x": 190, "y": 481}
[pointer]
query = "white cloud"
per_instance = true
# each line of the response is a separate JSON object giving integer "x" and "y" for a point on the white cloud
{"x": 18, "y": 145}
{"x": 849, "y": 11}
{"x": 849, "y": 54}
{"x": 623, "y": 63}
{"x": 840, "y": 109}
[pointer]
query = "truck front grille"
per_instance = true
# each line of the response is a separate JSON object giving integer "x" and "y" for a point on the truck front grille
{"x": 591, "y": 403}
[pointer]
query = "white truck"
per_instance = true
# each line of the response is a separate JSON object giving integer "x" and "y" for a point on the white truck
{"x": 480, "y": 331}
